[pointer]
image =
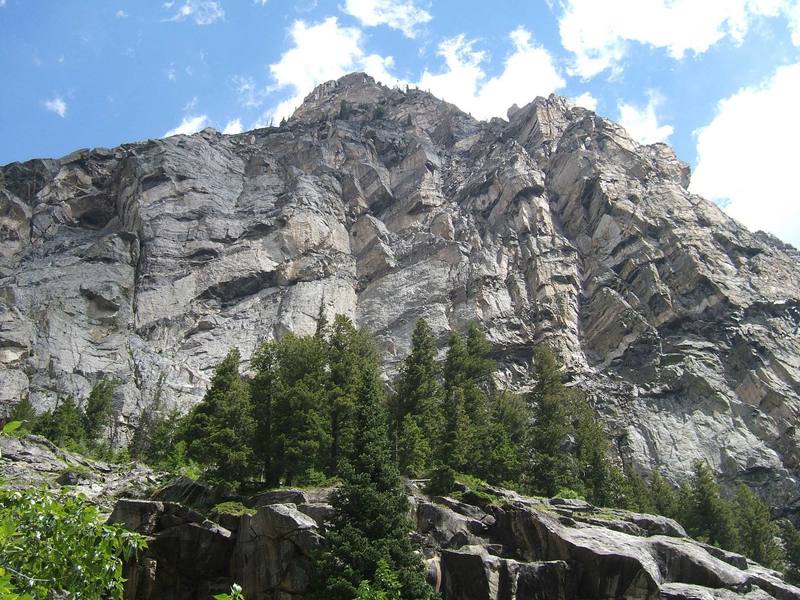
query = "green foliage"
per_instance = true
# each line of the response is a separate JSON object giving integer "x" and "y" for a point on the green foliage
{"x": 790, "y": 537}
{"x": 24, "y": 412}
{"x": 290, "y": 399}
{"x": 57, "y": 541}
{"x": 99, "y": 408}
{"x": 551, "y": 467}
{"x": 758, "y": 534}
{"x": 708, "y": 516}
{"x": 637, "y": 494}
{"x": 63, "y": 425}
{"x": 413, "y": 448}
{"x": 370, "y": 524}
{"x": 664, "y": 499}
{"x": 385, "y": 587}
{"x": 419, "y": 392}
{"x": 219, "y": 431}
{"x": 443, "y": 480}
{"x": 569, "y": 494}
{"x": 231, "y": 507}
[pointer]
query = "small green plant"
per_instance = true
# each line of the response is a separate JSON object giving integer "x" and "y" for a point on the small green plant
{"x": 235, "y": 594}
{"x": 234, "y": 508}
{"x": 569, "y": 494}
{"x": 58, "y": 541}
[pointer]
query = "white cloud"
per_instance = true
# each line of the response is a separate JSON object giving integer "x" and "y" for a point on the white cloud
{"x": 598, "y": 33}
{"x": 234, "y": 126}
{"x": 203, "y": 12}
{"x": 747, "y": 156}
{"x": 190, "y": 105}
{"x": 585, "y": 100}
{"x": 641, "y": 122}
{"x": 529, "y": 71}
{"x": 397, "y": 14}
{"x": 56, "y": 105}
{"x": 2, "y": 3}
{"x": 321, "y": 52}
{"x": 250, "y": 95}
{"x": 121, "y": 14}
{"x": 188, "y": 126}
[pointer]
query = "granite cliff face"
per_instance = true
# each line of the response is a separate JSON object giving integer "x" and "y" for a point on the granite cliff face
{"x": 148, "y": 261}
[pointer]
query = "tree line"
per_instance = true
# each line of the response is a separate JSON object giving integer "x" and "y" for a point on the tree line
{"x": 307, "y": 414}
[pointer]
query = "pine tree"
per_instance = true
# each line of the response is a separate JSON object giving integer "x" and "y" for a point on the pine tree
{"x": 551, "y": 468}
{"x": 665, "y": 500}
{"x": 348, "y": 350}
{"x": 791, "y": 543}
{"x": 710, "y": 517}
{"x": 295, "y": 397}
{"x": 758, "y": 534}
{"x": 220, "y": 429}
{"x": 413, "y": 448}
{"x": 63, "y": 425}
{"x": 99, "y": 408}
{"x": 638, "y": 494}
{"x": 603, "y": 482}
{"x": 23, "y": 411}
{"x": 419, "y": 392}
{"x": 370, "y": 525}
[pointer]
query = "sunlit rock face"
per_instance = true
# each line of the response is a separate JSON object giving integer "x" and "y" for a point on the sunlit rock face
{"x": 148, "y": 261}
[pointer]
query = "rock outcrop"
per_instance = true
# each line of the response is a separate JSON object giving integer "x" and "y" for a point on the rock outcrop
{"x": 514, "y": 549}
{"x": 148, "y": 261}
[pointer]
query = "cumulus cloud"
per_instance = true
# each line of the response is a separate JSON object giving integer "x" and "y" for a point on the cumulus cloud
{"x": 597, "y": 33}
{"x": 234, "y": 126}
{"x": 747, "y": 156}
{"x": 641, "y": 122}
{"x": 121, "y": 14}
{"x": 188, "y": 126}
{"x": 529, "y": 71}
{"x": 203, "y": 12}
{"x": 56, "y": 105}
{"x": 321, "y": 52}
{"x": 585, "y": 100}
{"x": 397, "y": 14}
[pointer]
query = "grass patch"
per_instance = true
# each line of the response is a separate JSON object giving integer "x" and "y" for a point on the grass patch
{"x": 237, "y": 509}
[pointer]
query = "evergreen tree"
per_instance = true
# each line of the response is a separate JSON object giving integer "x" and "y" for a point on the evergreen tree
{"x": 603, "y": 482}
{"x": 758, "y": 534}
{"x": 220, "y": 429}
{"x": 665, "y": 500}
{"x": 710, "y": 517}
{"x": 419, "y": 392}
{"x": 295, "y": 396}
{"x": 370, "y": 525}
{"x": 23, "y": 412}
{"x": 638, "y": 495}
{"x": 348, "y": 351}
{"x": 413, "y": 448}
{"x": 791, "y": 543}
{"x": 552, "y": 467}
{"x": 63, "y": 425}
{"x": 99, "y": 408}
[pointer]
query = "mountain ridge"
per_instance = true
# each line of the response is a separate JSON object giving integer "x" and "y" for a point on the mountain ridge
{"x": 146, "y": 262}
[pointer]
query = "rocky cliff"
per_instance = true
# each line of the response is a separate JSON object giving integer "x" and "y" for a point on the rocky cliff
{"x": 148, "y": 261}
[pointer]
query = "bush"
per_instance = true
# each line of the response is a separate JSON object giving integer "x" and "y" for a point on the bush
{"x": 56, "y": 541}
{"x": 443, "y": 480}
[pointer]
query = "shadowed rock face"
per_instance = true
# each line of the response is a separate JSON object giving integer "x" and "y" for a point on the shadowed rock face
{"x": 524, "y": 549}
{"x": 148, "y": 261}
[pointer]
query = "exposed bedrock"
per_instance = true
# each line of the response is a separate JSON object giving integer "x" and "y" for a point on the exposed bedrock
{"x": 148, "y": 261}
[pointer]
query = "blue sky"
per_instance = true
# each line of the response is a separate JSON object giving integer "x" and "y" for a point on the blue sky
{"x": 717, "y": 79}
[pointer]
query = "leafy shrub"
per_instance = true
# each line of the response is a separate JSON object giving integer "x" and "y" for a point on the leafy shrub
{"x": 569, "y": 494}
{"x": 234, "y": 508}
{"x": 51, "y": 541}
